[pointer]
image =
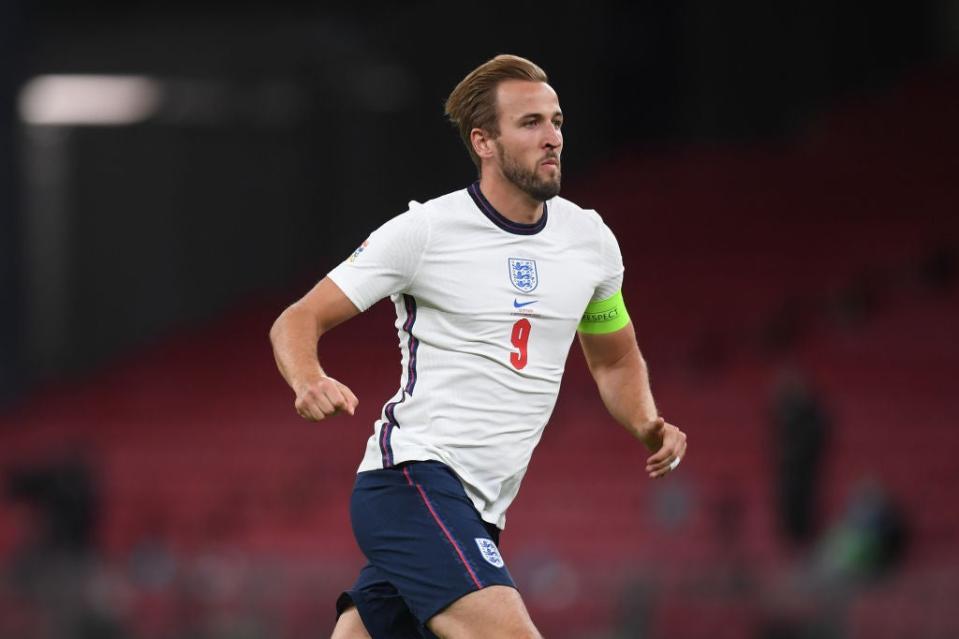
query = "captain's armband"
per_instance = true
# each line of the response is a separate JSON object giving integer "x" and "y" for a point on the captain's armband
{"x": 604, "y": 316}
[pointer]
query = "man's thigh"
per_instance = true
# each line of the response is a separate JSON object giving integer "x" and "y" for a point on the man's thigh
{"x": 381, "y": 609}
{"x": 427, "y": 545}
{"x": 350, "y": 626}
{"x": 496, "y": 612}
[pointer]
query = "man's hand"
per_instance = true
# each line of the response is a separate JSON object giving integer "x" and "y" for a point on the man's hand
{"x": 620, "y": 373}
{"x": 322, "y": 398}
{"x": 294, "y": 336}
{"x": 668, "y": 444}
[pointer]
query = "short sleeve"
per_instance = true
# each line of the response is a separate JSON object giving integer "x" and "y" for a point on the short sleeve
{"x": 386, "y": 263}
{"x": 611, "y": 263}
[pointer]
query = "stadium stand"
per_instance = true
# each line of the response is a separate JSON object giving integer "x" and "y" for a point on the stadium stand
{"x": 831, "y": 253}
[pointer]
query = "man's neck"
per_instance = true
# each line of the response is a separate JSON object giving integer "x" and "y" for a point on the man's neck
{"x": 510, "y": 201}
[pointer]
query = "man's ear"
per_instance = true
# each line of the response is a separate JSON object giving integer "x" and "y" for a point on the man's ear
{"x": 482, "y": 143}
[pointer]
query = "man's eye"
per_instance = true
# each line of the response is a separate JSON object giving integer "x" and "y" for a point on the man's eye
{"x": 530, "y": 124}
{"x": 558, "y": 124}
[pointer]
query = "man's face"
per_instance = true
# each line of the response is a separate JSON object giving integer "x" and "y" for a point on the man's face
{"x": 530, "y": 141}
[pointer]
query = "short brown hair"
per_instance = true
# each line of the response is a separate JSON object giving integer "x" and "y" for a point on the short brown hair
{"x": 472, "y": 104}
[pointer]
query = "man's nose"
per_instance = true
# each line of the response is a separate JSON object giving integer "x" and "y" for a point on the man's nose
{"x": 554, "y": 139}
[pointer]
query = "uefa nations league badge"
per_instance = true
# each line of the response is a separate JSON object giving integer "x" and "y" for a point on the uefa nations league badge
{"x": 523, "y": 275}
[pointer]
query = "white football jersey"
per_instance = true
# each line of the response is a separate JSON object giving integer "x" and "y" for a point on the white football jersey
{"x": 486, "y": 311}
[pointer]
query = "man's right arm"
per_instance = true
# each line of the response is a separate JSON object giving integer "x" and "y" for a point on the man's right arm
{"x": 295, "y": 335}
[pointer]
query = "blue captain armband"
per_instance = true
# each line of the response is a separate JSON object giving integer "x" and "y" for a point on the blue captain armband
{"x": 604, "y": 316}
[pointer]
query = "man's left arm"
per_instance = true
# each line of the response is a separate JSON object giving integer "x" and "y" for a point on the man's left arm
{"x": 623, "y": 381}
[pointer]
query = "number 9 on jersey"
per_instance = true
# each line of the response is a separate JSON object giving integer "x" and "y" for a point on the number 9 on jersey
{"x": 520, "y": 339}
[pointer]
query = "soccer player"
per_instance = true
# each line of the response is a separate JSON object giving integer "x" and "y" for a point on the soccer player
{"x": 490, "y": 284}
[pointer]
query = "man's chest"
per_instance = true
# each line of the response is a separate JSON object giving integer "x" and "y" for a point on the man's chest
{"x": 495, "y": 282}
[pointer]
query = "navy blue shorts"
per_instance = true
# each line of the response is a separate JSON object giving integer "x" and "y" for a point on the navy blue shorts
{"x": 426, "y": 545}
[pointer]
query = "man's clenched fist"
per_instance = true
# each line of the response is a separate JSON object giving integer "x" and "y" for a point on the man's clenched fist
{"x": 322, "y": 398}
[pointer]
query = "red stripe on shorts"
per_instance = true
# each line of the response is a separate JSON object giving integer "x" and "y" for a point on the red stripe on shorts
{"x": 406, "y": 472}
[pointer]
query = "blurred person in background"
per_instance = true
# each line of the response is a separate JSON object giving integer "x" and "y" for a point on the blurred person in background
{"x": 800, "y": 431}
{"x": 64, "y": 499}
{"x": 490, "y": 285}
{"x": 867, "y": 542}
{"x": 57, "y": 567}
{"x": 864, "y": 546}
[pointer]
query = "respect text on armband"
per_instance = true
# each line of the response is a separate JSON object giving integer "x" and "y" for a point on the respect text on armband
{"x": 605, "y": 316}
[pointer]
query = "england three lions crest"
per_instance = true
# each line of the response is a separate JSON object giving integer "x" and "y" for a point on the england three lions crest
{"x": 490, "y": 552}
{"x": 523, "y": 275}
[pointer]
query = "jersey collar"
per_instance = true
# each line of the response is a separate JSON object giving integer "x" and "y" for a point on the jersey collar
{"x": 499, "y": 219}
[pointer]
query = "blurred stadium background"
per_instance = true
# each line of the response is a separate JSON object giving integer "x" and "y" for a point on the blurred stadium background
{"x": 783, "y": 179}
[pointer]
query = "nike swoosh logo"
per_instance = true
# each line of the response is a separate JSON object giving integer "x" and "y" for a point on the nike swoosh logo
{"x": 518, "y": 304}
